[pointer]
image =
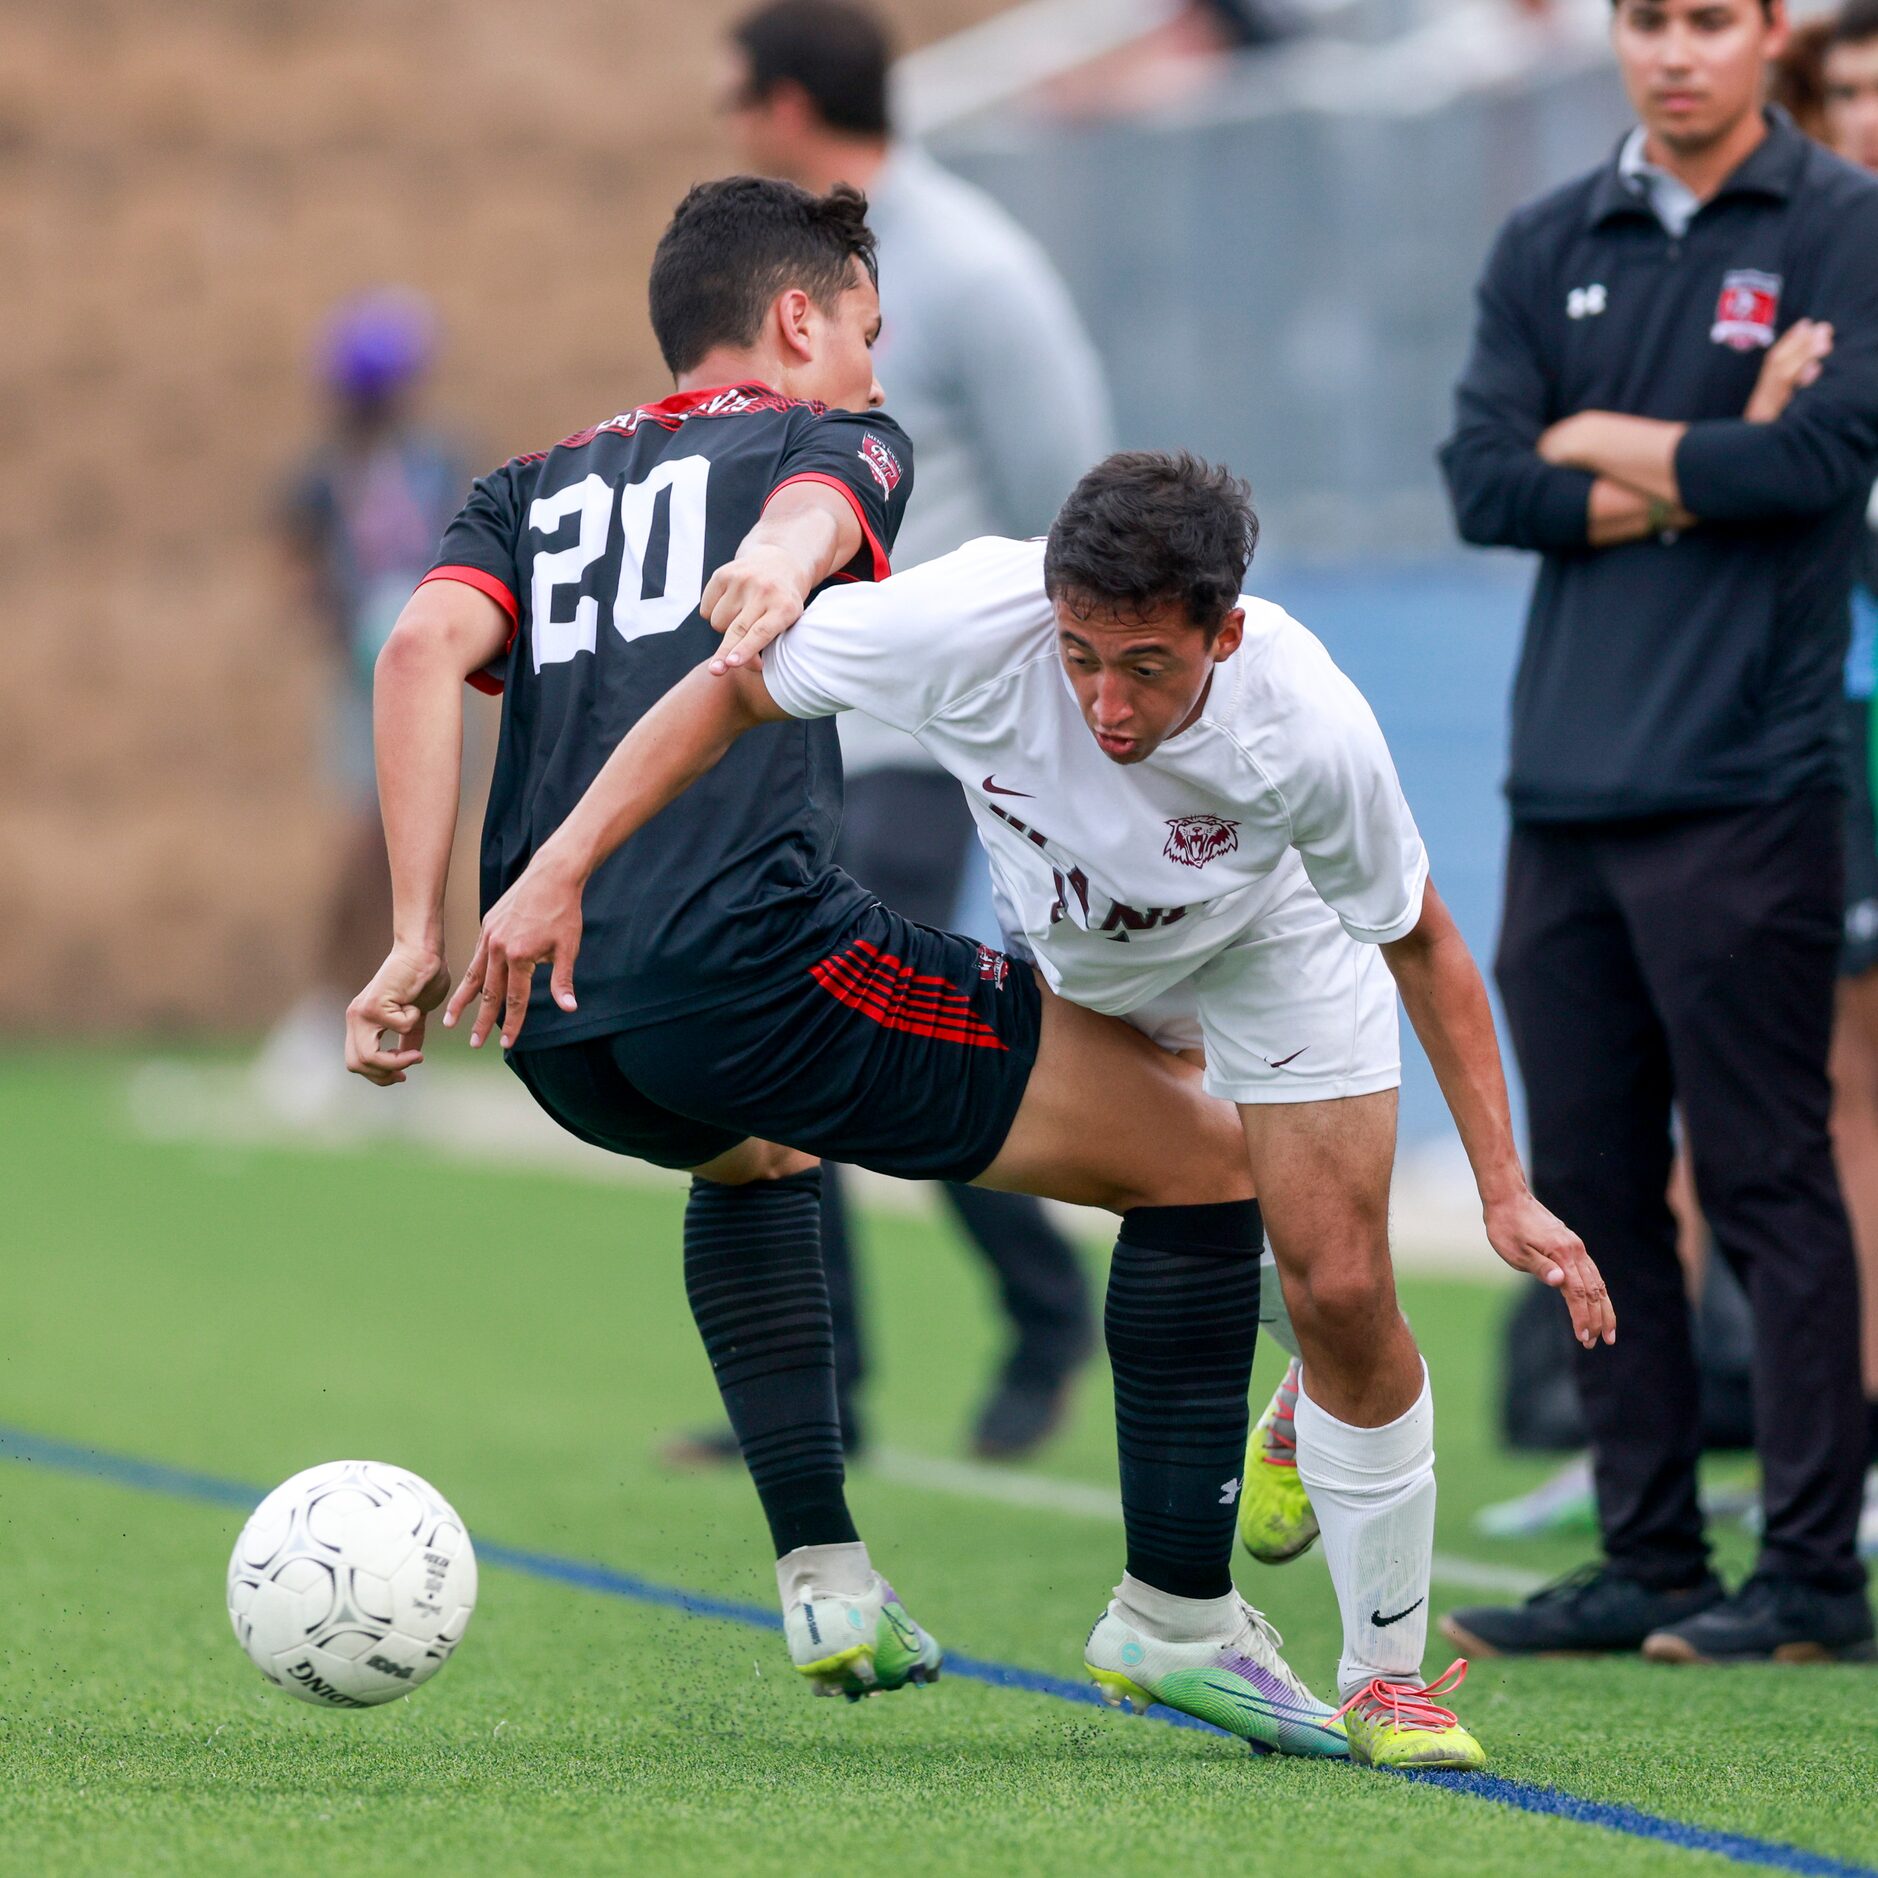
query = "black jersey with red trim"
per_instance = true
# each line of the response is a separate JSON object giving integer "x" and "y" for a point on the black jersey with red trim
{"x": 599, "y": 551}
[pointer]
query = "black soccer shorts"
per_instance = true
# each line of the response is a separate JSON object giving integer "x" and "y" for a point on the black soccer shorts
{"x": 905, "y": 1050}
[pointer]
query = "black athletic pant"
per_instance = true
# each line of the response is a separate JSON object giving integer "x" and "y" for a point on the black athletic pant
{"x": 1691, "y": 959}
{"x": 905, "y": 836}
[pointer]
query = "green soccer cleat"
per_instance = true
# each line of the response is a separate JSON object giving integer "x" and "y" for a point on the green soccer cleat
{"x": 1393, "y": 1725}
{"x": 1276, "y": 1523}
{"x": 858, "y": 1643}
{"x": 1239, "y": 1683}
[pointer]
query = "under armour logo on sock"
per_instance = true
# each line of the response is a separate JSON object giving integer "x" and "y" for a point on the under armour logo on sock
{"x": 1229, "y": 1491}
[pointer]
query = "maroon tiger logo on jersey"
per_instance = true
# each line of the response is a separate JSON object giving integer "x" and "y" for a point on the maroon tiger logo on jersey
{"x": 881, "y": 463}
{"x": 1193, "y": 840}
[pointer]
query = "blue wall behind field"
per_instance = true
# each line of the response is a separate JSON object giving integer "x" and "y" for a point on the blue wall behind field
{"x": 1432, "y": 645}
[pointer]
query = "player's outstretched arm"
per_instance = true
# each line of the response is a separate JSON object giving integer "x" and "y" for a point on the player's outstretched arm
{"x": 446, "y": 631}
{"x": 538, "y": 921}
{"x": 807, "y": 532}
{"x": 1447, "y": 1003}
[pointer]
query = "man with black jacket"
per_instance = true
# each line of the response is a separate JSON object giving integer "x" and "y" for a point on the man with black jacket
{"x": 1673, "y": 396}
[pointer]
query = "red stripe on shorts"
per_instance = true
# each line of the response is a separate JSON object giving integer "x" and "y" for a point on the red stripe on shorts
{"x": 890, "y": 993}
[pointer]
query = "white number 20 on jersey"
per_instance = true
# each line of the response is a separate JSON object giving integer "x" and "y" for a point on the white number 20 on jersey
{"x": 635, "y": 613}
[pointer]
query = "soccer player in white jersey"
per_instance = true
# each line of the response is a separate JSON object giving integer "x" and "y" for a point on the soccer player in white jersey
{"x": 1193, "y": 822}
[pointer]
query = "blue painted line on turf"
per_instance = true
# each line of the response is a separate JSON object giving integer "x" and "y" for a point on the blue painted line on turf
{"x": 1627, "y": 1819}
{"x": 155, "y": 1477}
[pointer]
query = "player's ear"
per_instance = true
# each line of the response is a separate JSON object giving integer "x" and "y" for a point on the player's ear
{"x": 794, "y": 315}
{"x": 1231, "y": 635}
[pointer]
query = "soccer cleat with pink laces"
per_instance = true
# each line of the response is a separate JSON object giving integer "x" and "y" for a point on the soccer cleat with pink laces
{"x": 1392, "y": 1724}
{"x": 1276, "y": 1523}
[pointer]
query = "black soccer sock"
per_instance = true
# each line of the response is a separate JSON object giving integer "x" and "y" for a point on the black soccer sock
{"x": 753, "y": 1273}
{"x": 1182, "y": 1322}
{"x": 1871, "y": 1431}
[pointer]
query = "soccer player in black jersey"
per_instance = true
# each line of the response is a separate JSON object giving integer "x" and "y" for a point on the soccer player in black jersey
{"x": 737, "y": 991}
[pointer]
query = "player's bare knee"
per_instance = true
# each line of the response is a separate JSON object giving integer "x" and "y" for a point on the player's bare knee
{"x": 1343, "y": 1304}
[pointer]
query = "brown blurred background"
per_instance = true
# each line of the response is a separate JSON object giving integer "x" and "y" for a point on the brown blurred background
{"x": 184, "y": 193}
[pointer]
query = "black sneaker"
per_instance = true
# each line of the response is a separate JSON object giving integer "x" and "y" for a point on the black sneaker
{"x": 1019, "y": 1417}
{"x": 1772, "y": 1619}
{"x": 1590, "y": 1610}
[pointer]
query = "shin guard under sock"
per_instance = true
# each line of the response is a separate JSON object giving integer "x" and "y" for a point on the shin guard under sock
{"x": 1181, "y": 1323}
{"x": 753, "y": 1274}
{"x": 1373, "y": 1491}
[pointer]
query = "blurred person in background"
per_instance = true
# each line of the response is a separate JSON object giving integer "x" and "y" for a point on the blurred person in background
{"x": 1673, "y": 396}
{"x": 1797, "y": 82}
{"x": 1177, "y": 51}
{"x": 1847, "y": 83}
{"x": 361, "y": 522}
{"x": 995, "y": 380}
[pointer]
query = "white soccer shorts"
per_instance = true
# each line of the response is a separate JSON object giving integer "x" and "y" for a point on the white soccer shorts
{"x": 1293, "y": 1010}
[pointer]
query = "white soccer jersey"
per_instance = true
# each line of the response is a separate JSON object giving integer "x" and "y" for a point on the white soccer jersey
{"x": 1122, "y": 880}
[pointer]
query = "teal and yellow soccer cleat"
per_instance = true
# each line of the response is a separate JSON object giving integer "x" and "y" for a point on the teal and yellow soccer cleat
{"x": 1239, "y": 1683}
{"x": 858, "y": 1643}
{"x": 1391, "y": 1725}
{"x": 1276, "y": 1523}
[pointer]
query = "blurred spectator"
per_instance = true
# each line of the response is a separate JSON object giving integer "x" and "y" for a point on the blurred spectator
{"x": 361, "y": 521}
{"x": 989, "y": 370}
{"x": 1798, "y": 81}
{"x": 1848, "y": 85}
{"x": 1851, "y": 84}
{"x": 1177, "y": 52}
{"x": 1675, "y": 874}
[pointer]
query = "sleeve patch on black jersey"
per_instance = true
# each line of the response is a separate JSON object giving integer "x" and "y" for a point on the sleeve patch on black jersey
{"x": 881, "y": 462}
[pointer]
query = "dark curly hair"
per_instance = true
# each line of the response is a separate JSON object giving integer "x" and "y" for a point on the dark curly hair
{"x": 1148, "y": 526}
{"x": 733, "y": 245}
{"x": 838, "y": 53}
{"x": 1857, "y": 21}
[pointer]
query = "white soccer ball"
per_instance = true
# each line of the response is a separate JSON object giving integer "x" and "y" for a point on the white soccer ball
{"x": 351, "y": 1584}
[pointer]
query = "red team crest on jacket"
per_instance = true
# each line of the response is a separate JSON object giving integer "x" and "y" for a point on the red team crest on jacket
{"x": 1193, "y": 840}
{"x": 881, "y": 462}
{"x": 1747, "y": 310}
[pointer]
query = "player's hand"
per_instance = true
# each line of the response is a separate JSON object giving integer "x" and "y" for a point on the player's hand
{"x": 536, "y": 922}
{"x": 1533, "y": 1240}
{"x": 752, "y": 601}
{"x": 407, "y": 988}
{"x": 1794, "y": 360}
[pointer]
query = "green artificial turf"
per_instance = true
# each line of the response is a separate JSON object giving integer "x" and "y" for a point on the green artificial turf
{"x": 522, "y": 1340}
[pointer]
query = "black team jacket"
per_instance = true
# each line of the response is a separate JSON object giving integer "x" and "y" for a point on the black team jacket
{"x": 1700, "y": 670}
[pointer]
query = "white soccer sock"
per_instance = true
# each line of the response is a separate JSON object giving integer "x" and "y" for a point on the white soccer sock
{"x": 833, "y": 1570}
{"x": 1373, "y": 1490}
{"x": 1169, "y": 1619}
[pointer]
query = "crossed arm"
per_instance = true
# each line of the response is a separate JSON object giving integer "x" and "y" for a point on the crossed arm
{"x": 1599, "y": 478}
{"x": 1637, "y": 491}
